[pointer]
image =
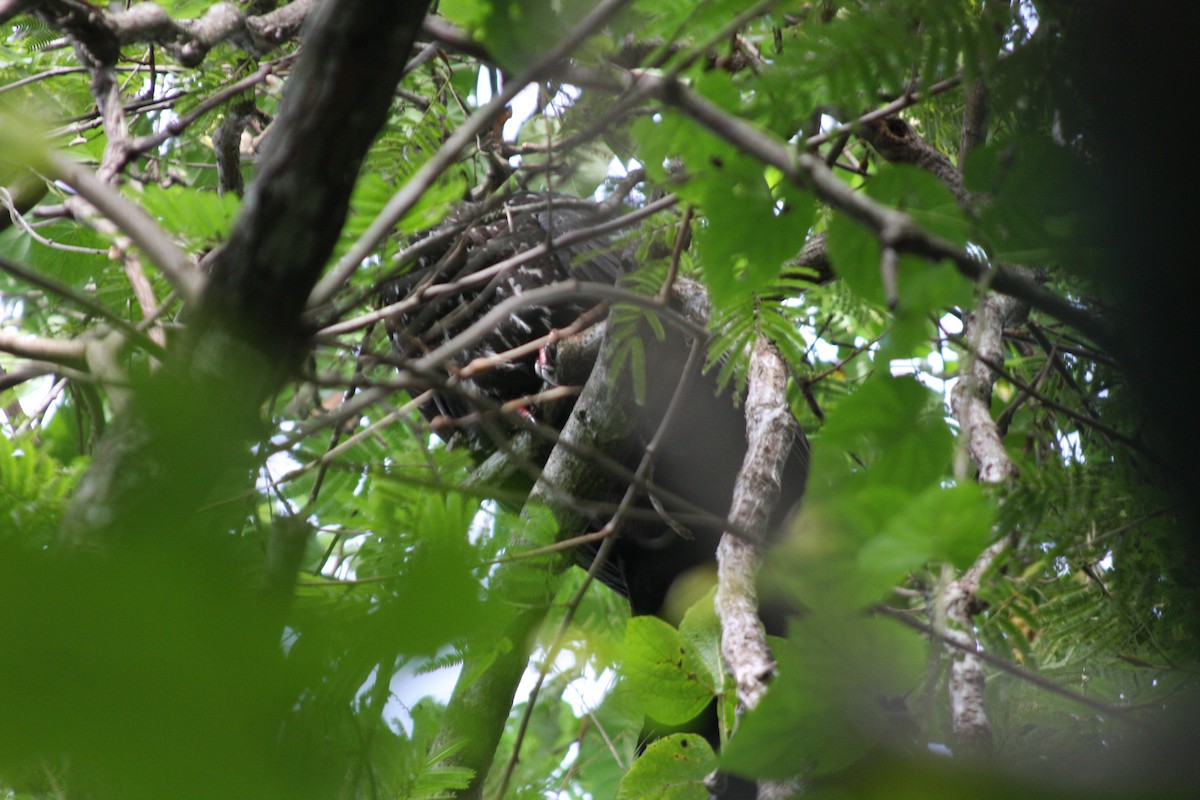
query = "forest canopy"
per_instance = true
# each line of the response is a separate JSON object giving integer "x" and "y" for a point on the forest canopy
{"x": 352, "y": 352}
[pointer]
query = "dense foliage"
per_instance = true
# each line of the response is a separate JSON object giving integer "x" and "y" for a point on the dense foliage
{"x": 234, "y": 559}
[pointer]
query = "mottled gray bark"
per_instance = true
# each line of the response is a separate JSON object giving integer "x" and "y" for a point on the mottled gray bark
{"x": 192, "y": 425}
{"x": 601, "y": 422}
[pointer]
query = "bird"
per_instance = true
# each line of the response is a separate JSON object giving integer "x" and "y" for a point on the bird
{"x": 704, "y": 445}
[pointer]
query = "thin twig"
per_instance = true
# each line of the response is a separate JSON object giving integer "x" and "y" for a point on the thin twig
{"x": 893, "y": 228}
{"x": 178, "y": 125}
{"x": 67, "y": 293}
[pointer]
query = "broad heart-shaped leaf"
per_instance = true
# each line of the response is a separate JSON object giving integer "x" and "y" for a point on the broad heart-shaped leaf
{"x": 673, "y": 684}
{"x": 950, "y": 523}
{"x": 833, "y": 697}
{"x": 672, "y": 768}
{"x": 1037, "y": 193}
{"x": 893, "y": 426}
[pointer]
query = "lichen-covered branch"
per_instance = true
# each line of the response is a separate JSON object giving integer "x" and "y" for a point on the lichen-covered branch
{"x": 770, "y": 431}
{"x": 104, "y": 30}
{"x": 972, "y": 395}
{"x": 971, "y": 402}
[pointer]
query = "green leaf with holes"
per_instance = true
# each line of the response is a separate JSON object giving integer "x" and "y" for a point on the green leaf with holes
{"x": 665, "y": 672}
{"x": 672, "y": 768}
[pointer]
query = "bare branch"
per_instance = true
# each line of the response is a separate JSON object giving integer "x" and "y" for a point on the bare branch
{"x": 134, "y": 223}
{"x": 770, "y": 430}
{"x": 488, "y": 273}
{"x": 35, "y": 278}
{"x": 42, "y": 348}
{"x": 177, "y": 125}
{"x": 188, "y": 41}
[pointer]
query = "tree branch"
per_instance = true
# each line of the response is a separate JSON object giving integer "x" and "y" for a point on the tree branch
{"x": 134, "y": 223}
{"x": 246, "y": 335}
{"x": 189, "y": 41}
{"x": 41, "y": 348}
{"x": 893, "y": 228}
{"x": 971, "y": 402}
{"x": 770, "y": 431}
{"x": 478, "y": 709}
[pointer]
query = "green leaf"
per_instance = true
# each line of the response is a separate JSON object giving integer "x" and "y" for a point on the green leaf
{"x": 855, "y": 254}
{"x": 672, "y": 768}
{"x": 838, "y": 675}
{"x": 517, "y": 33}
{"x": 700, "y": 630}
{"x": 1022, "y": 217}
{"x": 923, "y": 288}
{"x": 750, "y": 227}
{"x": 894, "y": 427}
{"x": 923, "y": 197}
{"x": 612, "y": 743}
{"x": 879, "y": 466}
{"x": 197, "y": 217}
{"x": 672, "y": 682}
{"x": 952, "y": 524}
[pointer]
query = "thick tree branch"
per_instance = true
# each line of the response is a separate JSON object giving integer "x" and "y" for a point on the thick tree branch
{"x": 603, "y": 417}
{"x": 971, "y": 401}
{"x": 609, "y": 533}
{"x": 971, "y": 397}
{"x": 770, "y": 431}
{"x": 104, "y": 31}
{"x": 246, "y": 334}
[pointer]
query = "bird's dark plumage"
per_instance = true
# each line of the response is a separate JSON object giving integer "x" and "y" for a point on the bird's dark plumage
{"x": 705, "y": 443}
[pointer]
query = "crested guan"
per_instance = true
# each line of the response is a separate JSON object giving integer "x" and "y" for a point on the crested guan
{"x": 705, "y": 443}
